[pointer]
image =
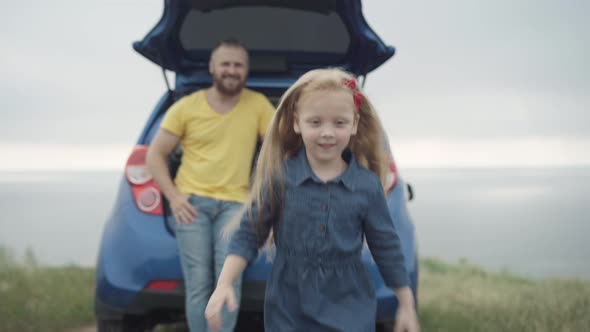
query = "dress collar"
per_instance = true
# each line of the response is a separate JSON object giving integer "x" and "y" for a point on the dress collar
{"x": 302, "y": 171}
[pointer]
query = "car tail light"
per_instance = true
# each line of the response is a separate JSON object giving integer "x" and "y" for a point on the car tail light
{"x": 163, "y": 285}
{"x": 391, "y": 174}
{"x": 138, "y": 174}
{"x": 146, "y": 192}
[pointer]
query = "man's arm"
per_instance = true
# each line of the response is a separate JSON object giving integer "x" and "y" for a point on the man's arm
{"x": 164, "y": 142}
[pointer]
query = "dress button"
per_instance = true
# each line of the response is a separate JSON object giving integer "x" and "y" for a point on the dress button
{"x": 324, "y": 207}
{"x": 322, "y": 228}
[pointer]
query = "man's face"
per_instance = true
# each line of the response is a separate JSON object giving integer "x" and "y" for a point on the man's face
{"x": 229, "y": 69}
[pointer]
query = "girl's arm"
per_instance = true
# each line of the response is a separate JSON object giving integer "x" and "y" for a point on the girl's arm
{"x": 386, "y": 250}
{"x": 406, "y": 319}
{"x": 252, "y": 231}
{"x": 243, "y": 248}
{"x": 383, "y": 240}
{"x": 405, "y": 297}
{"x": 224, "y": 294}
{"x": 232, "y": 269}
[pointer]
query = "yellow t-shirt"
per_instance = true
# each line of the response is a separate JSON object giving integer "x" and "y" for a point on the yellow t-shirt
{"x": 217, "y": 148}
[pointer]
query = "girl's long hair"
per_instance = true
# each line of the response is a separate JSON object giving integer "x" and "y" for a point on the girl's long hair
{"x": 281, "y": 143}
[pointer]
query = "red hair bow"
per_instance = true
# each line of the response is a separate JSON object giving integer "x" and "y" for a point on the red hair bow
{"x": 358, "y": 97}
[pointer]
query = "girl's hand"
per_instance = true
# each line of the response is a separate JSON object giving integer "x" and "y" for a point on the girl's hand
{"x": 183, "y": 211}
{"x": 223, "y": 295}
{"x": 406, "y": 320}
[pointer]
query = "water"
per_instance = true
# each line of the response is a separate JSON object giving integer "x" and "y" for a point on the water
{"x": 58, "y": 215}
{"x": 533, "y": 222}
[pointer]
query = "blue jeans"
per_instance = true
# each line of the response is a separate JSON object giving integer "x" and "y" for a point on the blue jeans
{"x": 202, "y": 249}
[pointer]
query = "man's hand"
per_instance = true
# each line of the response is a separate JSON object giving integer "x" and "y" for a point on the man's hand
{"x": 223, "y": 295}
{"x": 183, "y": 211}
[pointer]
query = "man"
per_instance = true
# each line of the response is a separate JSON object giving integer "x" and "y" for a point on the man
{"x": 218, "y": 128}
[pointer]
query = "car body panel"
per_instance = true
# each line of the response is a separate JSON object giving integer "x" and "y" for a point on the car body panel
{"x": 135, "y": 249}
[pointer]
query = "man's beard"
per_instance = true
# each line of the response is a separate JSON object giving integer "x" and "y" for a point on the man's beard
{"x": 225, "y": 90}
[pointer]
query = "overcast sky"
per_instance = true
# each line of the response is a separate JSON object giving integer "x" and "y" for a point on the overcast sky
{"x": 473, "y": 83}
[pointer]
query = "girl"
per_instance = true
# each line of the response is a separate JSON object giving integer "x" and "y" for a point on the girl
{"x": 319, "y": 187}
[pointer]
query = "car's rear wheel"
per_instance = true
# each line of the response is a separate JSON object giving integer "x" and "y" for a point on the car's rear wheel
{"x": 131, "y": 325}
{"x": 385, "y": 326}
{"x": 250, "y": 321}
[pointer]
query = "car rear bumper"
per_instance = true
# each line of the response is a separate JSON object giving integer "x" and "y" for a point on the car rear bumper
{"x": 144, "y": 303}
{"x": 169, "y": 305}
{"x": 149, "y": 302}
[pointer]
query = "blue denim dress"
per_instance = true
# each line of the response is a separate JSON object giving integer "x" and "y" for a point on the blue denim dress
{"x": 318, "y": 282}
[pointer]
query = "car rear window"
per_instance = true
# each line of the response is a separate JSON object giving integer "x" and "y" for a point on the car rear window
{"x": 266, "y": 29}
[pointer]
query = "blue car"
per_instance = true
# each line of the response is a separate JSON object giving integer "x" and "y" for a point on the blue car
{"x": 138, "y": 276}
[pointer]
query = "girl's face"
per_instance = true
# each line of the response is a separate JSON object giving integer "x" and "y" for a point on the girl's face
{"x": 325, "y": 120}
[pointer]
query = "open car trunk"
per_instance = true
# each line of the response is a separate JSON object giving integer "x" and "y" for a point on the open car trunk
{"x": 285, "y": 38}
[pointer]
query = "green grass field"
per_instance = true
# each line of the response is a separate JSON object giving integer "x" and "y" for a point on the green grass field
{"x": 34, "y": 298}
{"x": 462, "y": 297}
{"x": 452, "y": 297}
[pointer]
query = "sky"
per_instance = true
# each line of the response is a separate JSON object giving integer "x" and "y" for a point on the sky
{"x": 473, "y": 83}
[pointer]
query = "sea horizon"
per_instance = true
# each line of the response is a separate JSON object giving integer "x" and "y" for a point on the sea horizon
{"x": 529, "y": 221}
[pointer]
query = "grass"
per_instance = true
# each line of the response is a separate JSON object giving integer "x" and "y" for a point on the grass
{"x": 463, "y": 297}
{"x": 452, "y": 297}
{"x": 34, "y": 298}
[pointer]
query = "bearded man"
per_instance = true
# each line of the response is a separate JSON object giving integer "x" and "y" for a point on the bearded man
{"x": 218, "y": 129}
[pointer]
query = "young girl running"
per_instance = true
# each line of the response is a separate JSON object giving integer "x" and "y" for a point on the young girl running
{"x": 319, "y": 187}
